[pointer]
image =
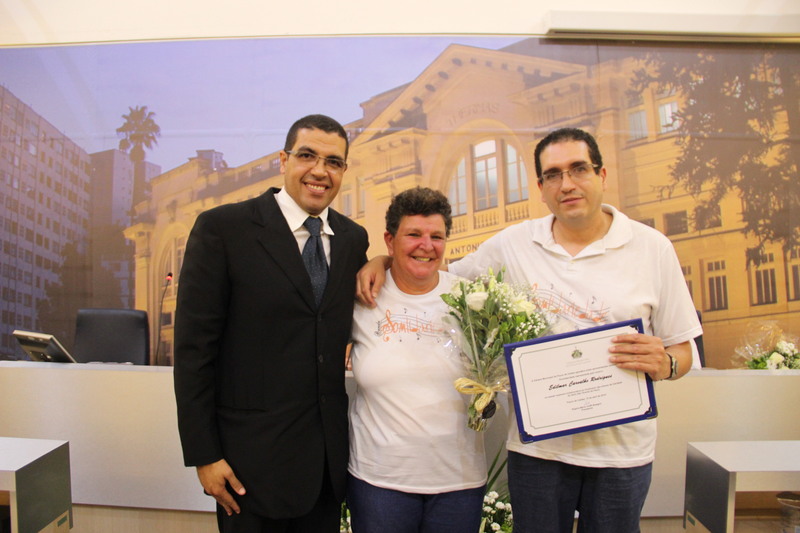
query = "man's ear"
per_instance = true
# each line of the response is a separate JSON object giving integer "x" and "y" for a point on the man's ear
{"x": 283, "y": 157}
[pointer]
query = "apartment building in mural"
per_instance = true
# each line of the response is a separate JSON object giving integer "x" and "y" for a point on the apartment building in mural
{"x": 468, "y": 125}
{"x": 45, "y": 182}
{"x": 63, "y": 215}
{"x": 112, "y": 201}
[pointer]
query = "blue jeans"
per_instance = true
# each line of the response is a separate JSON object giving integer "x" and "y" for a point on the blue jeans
{"x": 545, "y": 495}
{"x": 377, "y": 510}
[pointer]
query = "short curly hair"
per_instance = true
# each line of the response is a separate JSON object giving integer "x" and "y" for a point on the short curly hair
{"x": 418, "y": 201}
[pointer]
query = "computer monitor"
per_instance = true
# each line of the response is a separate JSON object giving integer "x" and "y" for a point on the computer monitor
{"x": 42, "y": 347}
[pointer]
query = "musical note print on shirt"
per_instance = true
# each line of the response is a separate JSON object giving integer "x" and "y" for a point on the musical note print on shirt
{"x": 589, "y": 314}
{"x": 408, "y": 326}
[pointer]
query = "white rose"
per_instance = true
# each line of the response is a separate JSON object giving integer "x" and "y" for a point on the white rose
{"x": 495, "y": 526}
{"x": 476, "y": 300}
{"x": 520, "y": 304}
{"x": 456, "y": 290}
{"x": 785, "y": 347}
{"x": 774, "y": 360}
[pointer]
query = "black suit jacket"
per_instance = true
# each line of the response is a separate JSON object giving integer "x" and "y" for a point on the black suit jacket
{"x": 259, "y": 370}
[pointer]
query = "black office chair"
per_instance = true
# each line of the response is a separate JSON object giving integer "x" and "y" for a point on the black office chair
{"x": 112, "y": 336}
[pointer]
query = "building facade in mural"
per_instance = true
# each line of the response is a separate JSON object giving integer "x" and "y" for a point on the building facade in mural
{"x": 112, "y": 192}
{"x": 467, "y": 126}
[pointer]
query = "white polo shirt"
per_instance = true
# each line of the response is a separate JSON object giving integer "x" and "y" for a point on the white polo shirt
{"x": 632, "y": 272}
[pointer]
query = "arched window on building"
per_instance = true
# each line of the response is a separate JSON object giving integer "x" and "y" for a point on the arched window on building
{"x": 516, "y": 176}
{"x": 484, "y": 168}
{"x": 490, "y": 175}
{"x": 458, "y": 189}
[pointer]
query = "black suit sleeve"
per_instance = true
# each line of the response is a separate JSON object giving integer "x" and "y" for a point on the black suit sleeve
{"x": 203, "y": 294}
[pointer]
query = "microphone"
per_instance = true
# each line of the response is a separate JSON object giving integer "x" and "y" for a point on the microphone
{"x": 167, "y": 281}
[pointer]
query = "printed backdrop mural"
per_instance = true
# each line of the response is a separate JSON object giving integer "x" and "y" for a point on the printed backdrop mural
{"x": 109, "y": 151}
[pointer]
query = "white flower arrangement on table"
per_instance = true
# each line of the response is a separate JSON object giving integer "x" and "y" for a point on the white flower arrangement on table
{"x": 767, "y": 347}
{"x": 485, "y": 315}
{"x": 783, "y": 356}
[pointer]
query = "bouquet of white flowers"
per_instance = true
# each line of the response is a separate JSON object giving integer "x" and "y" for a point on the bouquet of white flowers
{"x": 485, "y": 315}
{"x": 765, "y": 346}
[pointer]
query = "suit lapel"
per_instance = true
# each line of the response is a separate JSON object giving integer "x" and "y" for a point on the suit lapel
{"x": 280, "y": 243}
{"x": 339, "y": 246}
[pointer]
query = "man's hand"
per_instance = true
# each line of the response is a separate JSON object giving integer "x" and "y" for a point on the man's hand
{"x": 213, "y": 477}
{"x": 370, "y": 279}
{"x": 647, "y": 354}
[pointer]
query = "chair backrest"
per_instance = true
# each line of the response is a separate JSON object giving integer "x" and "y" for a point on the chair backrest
{"x": 112, "y": 336}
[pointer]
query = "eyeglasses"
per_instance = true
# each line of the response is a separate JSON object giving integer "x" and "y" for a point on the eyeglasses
{"x": 577, "y": 173}
{"x": 334, "y": 164}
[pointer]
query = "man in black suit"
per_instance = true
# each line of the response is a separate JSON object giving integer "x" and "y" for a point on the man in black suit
{"x": 259, "y": 359}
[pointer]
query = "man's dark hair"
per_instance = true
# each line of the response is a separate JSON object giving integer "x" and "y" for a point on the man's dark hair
{"x": 316, "y": 122}
{"x": 418, "y": 201}
{"x": 565, "y": 135}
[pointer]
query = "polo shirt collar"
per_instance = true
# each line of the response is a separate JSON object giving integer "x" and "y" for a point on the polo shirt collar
{"x": 619, "y": 233}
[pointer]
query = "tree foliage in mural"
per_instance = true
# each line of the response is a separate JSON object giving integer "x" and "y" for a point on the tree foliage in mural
{"x": 57, "y": 311}
{"x": 137, "y": 133}
{"x": 739, "y": 123}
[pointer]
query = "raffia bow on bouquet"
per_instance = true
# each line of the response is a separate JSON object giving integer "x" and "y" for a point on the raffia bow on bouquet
{"x": 485, "y": 315}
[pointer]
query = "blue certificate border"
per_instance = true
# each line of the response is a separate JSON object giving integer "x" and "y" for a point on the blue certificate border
{"x": 651, "y": 412}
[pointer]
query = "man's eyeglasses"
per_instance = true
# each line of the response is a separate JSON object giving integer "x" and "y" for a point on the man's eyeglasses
{"x": 577, "y": 173}
{"x": 334, "y": 164}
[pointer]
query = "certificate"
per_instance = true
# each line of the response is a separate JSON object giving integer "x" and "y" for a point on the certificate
{"x": 564, "y": 384}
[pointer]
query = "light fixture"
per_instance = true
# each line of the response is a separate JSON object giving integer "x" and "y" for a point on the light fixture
{"x": 672, "y": 26}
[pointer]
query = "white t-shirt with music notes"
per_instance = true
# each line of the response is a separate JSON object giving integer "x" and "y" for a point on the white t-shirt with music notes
{"x": 408, "y": 424}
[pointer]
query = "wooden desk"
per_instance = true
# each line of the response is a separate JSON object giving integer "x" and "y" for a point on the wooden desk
{"x": 35, "y": 473}
{"x": 716, "y": 470}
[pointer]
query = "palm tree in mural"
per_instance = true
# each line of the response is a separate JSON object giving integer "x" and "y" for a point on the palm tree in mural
{"x": 139, "y": 131}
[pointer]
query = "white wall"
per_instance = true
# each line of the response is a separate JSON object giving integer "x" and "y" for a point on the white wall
{"x": 25, "y": 22}
{"x": 121, "y": 424}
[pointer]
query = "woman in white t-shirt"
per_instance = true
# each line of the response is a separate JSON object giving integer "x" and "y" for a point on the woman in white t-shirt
{"x": 414, "y": 467}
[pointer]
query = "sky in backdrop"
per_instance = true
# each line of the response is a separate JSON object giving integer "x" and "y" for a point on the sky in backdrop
{"x": 238, "y": 96}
